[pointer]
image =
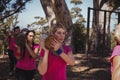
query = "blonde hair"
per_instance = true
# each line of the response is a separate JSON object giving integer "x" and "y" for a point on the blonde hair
{"x": 55, "y": 27}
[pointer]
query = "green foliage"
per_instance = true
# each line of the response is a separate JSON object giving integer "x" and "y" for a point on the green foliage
{"x": 10, "y": 21}
{"x": 41, "y": 22}
{"x": 11, "y": 7}
{"x": 113, "y": 42}
{"x": 75, "y": 12}
{"x": 3, "y": 45}
{"x": 76, "y": 2}
{"x": 79, "y": 37}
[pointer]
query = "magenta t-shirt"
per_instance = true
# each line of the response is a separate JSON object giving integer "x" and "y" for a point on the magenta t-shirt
{"x": 56, "y": 66}
{"x": 27, "y": 63}
{"x": 116, "y": 52}
{"x": 11, "y": 43}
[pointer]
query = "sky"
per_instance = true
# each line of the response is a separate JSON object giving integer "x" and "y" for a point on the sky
{"x": 35, "y": 9}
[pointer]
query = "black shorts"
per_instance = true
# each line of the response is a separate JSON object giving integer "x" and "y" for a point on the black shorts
{"x": 24, "y": 74}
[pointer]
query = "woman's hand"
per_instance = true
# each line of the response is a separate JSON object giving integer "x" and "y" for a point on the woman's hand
{"x": 26, "y": 43}
{"x": 42, "y": 44}
{"x": 55, "y": 44}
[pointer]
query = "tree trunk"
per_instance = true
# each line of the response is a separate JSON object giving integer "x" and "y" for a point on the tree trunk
{"x": 100, "y": 35}
{"x": 57, "y": 11}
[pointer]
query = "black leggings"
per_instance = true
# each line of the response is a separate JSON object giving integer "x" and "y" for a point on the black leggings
{"x": 12, "y": 59}
{"x": 24, "y": 74}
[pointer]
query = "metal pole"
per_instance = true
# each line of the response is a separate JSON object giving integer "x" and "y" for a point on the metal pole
{"x": 104, "y": 31}
{"x": 87, "y": 40}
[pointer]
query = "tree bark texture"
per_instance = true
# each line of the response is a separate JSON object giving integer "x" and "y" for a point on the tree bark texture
{"x": 57, "y": 11}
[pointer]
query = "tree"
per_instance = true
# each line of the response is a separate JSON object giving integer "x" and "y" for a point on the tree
{"x": 76, "y": 15}
{"x": 9, "y": 16}
{"x": 57, "y": 11}
{"x": 8, "y": 22}
{"x": 79, "y": 35}
{"x": 100, "y": 34}
{"x": 11, "y": 7}
{"x": 40, "y": 25}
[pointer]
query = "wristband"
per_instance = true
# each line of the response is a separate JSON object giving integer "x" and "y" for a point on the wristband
{"x": 59, "y": 51}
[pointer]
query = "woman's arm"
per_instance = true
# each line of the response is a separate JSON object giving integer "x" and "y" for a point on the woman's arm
{"x": 31, "y": 52}
{"x": 68, "y": 58}
{"x": 17, "y": 52}
{"x": 43, "y": 62}
{"x": 116, "y": 68}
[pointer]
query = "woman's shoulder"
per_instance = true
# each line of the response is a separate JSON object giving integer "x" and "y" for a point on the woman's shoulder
{"x": 67, "y": 48}
{"x": 117, "y": 47}
{"x": 116, "y": 50}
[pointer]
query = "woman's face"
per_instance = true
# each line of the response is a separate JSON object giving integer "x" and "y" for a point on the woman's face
{"x": 30, "y": 37}
{"x": 60, "y": 34}
{"x": 17, "y": 31}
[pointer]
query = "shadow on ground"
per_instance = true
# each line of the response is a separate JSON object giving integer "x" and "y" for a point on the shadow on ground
{"x": 89, "y": 67}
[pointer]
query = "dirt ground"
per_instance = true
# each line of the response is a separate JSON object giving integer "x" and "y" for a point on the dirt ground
{"x": 89, "y": 67}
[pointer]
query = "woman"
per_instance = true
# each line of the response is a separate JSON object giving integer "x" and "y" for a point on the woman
{"x": 26, "y": 65}
{"x": 53, "y": 67}
{"x": 10, "y": 39}
{"x": 115, "y": 57}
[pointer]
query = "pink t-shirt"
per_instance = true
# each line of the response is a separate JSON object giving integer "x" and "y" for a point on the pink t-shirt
{"x": 11, "y": 43}
{"x": 116, "y": 52}
{"x": 27, "y": 63}
{"x": 56, "y": 66}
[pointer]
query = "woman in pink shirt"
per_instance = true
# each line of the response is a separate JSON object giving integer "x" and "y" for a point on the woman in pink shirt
{"x": 26, "y": 65}
{"x": 10, "y": 39}
{"x": 51, "y": 66}
{"x": 115, "y": 57}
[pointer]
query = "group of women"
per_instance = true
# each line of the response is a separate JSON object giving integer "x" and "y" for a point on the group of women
{"x": 52, "y": 63}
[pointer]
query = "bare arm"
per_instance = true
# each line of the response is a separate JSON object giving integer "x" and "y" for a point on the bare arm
{"x": 31, "y": 52}
{"x": 68, "y": 58}
{"x": 116, "y": 68}
{"x": 18, "y": 56}
{"x": 43, "y": 62}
